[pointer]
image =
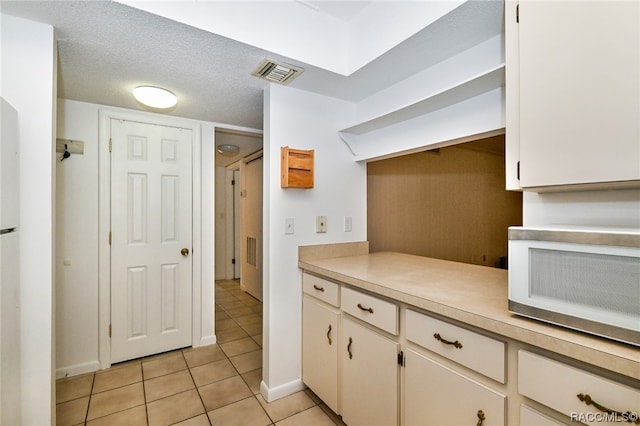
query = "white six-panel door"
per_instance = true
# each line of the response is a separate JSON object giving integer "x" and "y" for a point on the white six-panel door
{"x": 151, "y": 239}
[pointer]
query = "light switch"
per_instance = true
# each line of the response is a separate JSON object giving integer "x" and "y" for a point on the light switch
{"x": 321, "y": 224}
{"x": 347, "y": 224}
{"x": 67, "y": 262}
{"x": 288, "y": 225}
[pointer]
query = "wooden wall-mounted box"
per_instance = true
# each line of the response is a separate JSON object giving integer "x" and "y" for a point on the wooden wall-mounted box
{"x": 296, "y": 168}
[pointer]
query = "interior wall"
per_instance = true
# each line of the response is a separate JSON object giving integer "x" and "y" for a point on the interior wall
{"x": 28, "y": 83}
{"x": 302, "y": 120}
{"x": 77, "y": 242}
{"x": 449, "y": 203}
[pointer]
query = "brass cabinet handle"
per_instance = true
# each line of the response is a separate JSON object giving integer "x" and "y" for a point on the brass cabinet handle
{"x": 370, "y": 310}
{"x": 349, "y": 348}
{"x": 481, "y": 418}
{"x": 328, "y": 335}
{"x": 627, "y": 416}
{"x": 184, "y": 252}
{"x": 318, "y": 288}
{"x": 457, "y": 344}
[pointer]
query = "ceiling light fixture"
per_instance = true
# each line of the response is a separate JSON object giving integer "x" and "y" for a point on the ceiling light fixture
{"x": 155, "y": 97}
{"x": 228, "y": 149}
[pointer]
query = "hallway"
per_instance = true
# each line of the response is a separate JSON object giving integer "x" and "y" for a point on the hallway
{"x": 211, "y": 385}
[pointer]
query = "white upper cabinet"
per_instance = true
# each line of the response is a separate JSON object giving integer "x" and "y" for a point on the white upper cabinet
{"x": 573, "y": 93}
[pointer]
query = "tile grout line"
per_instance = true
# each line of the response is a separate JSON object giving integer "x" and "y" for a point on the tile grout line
{"x": 93, "y": 382}
{"x": 206, "y": 413}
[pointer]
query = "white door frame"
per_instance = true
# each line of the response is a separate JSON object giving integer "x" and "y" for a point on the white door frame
{"x": 230, "y": 215}
{"x": 104, "y": 223}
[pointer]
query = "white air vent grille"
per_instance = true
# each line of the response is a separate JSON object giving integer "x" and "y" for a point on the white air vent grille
{"x": 278, "y": 72}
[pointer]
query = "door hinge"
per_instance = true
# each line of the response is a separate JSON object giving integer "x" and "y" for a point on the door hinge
{"x": 401, "y": 359}
{"x": 110, "y": 144}
{"x": 233, "y": 182}
{"x": 109, "y": 330}
{"x": 233, "y": 261}
{"x": 109, "y": 237}
{"x": 518, "y": 170}
{"x": 518, "y": 13}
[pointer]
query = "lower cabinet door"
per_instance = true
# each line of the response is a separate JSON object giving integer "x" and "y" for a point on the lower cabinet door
{"x": 369, "y": 376}
{"x": 320, "y": 350}
{"x": 435, "y": 395}
{"x": 532, "y": 417}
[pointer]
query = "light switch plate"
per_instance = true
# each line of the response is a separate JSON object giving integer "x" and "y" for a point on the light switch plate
{"x": 289, "y": 225}
{"x": 348, "y": 223}
{"x": 321, "y": 224}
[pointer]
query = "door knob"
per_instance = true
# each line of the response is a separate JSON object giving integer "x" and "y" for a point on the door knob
{"x": 184, "y": 252}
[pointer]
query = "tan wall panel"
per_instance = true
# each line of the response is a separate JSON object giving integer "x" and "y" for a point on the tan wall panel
{"x": 448, "y": 204}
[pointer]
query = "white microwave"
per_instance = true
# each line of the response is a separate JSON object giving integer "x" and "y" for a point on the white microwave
{"x": 584, "y": 279}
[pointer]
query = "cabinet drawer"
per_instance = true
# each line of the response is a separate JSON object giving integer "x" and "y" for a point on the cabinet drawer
{"x": 377, "y": 312}
{"x": 561, "y": 387}
{"x": 480, "y": 353}
{"x": 322, "y": 289}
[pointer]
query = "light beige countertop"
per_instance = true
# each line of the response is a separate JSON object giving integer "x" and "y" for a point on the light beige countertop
{"x": 475, "y": 295}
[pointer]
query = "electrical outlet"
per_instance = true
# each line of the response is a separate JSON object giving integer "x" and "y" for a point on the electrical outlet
{"x": 288, "y": 225}
{"x": 321, "y": 224}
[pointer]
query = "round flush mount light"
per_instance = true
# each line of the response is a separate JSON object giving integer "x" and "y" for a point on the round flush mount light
{"x": 228, "y": 149}
{"x": 155, "y": 97}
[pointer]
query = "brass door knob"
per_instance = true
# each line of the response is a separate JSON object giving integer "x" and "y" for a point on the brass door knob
{"x": 184, "y": 252}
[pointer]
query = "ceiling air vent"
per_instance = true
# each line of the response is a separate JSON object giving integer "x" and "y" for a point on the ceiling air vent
{"x": 278, "y": 72}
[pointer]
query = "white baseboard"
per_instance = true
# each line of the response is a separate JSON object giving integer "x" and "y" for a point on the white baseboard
{"x": 277, "y": 392}
{"x": 76, "y": 370}
{"x": 208, "y": 340}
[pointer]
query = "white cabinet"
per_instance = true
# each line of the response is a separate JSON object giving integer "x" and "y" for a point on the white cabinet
{"x": 476, "y": 351}
{"x": 320, "y": 350}
{"x": 436, "y": 395}
{"x": 573, "y": 93}
{"x": 369, "y": 376}
{"x": 578, "y": 394}
{"x": 532, "y": 417}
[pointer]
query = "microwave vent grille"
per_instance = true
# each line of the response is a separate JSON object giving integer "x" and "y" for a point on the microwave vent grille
{"x": 585, "y": 279}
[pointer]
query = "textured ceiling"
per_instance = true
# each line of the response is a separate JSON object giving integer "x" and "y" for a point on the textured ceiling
{"x": 106, "y": 49}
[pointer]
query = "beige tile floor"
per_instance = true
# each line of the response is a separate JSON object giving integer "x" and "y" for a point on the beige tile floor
{"x": 212, "y": 385}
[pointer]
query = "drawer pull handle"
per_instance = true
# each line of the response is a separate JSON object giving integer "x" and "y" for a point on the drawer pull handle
{"x": 627, "y": 416}
{"x": 329, "y": 335}
{"x": 457, "y": 344}
{"x": 318, "y": 288}
{"x": 349, "y": 348}
{"x": 370, "y": 310}
{"x": 481, "y": 418}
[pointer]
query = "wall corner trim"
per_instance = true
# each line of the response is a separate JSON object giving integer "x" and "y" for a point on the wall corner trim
{"x": 277, "y": 392}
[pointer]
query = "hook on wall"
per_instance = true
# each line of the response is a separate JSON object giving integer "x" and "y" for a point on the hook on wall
{"x": 68, "y": 147}
{"x": 66, "y": 154}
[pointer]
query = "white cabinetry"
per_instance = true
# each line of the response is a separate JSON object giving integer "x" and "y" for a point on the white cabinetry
{"x": 320, "y": 338}
{"x": 439, "y": 394}
{"x": 532, "y": 417}
{"x": 581, "y": 395}
{"x": 320, "y": 350}
{"x": 369, "y": 376}
{"x": 573, "y": 93}
{"x": 436, "y": 395}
